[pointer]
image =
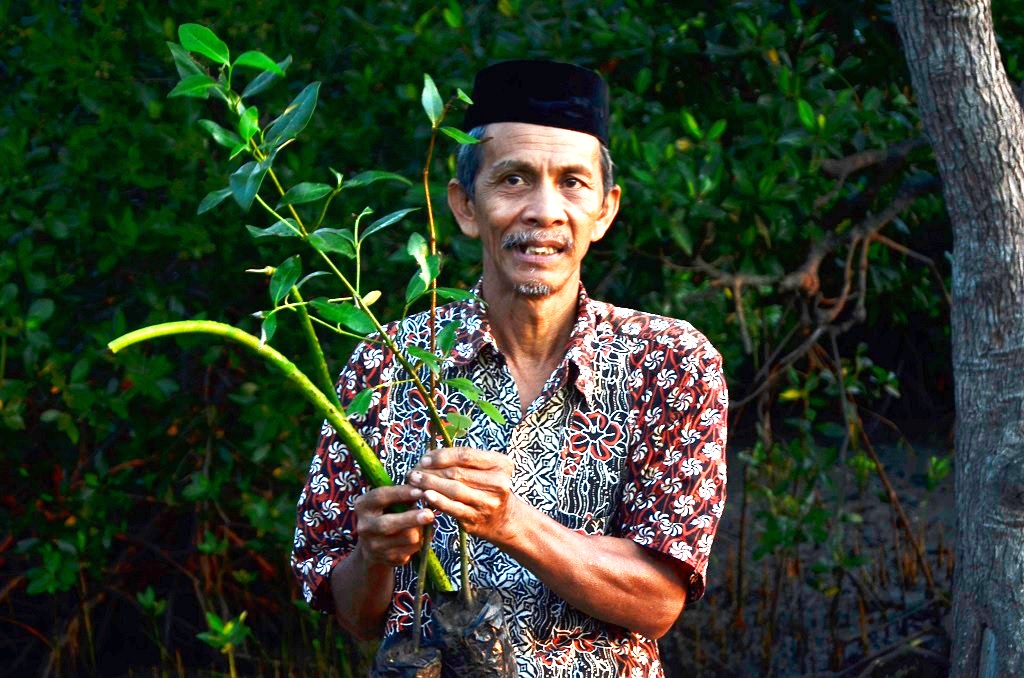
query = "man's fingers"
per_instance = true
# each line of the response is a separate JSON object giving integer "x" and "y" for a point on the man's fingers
{"x": 466, "y": 457}
{"x": 377, "y": 500}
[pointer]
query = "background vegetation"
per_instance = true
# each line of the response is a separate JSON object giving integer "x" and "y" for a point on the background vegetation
{"x": 777, "y": 193}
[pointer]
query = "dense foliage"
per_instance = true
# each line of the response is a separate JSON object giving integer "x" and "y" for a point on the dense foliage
{"x": 777, "y": 194}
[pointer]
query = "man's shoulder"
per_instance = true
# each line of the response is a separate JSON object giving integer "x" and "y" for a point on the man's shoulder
{"x": 651, "y": 329}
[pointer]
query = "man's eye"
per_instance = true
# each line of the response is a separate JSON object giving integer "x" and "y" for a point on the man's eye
{"x": 573, "y": 182}
{"x": 513, "y": 180}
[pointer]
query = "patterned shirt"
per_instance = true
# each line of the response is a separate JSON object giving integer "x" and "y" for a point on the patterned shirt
{"x": 627, "y": 438}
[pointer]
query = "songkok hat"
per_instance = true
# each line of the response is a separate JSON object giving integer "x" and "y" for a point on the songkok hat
{"x": 547, "y": 93}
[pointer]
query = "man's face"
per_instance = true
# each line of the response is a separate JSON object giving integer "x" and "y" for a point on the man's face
{"x": 539, "y": 204}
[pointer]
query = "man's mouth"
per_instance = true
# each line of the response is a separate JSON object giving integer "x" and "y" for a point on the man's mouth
{"x": 534, "y": 245}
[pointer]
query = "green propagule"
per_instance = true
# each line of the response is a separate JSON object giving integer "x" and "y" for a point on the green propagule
{"x": 350, "y": 315}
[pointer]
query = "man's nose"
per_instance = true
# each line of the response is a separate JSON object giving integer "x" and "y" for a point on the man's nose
{"x": 546, "y": 206}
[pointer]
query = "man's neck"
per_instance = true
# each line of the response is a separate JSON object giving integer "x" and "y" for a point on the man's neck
{"x": 532, "y": 333}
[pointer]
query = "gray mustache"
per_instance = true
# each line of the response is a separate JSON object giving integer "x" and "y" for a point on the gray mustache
{"x": 527, "y": 239}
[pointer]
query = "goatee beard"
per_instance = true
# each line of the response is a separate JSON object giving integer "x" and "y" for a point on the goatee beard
{"x": 532, "y": 290}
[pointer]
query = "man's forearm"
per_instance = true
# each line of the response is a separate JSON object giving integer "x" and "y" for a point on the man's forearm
{"x": 612, "y": 579}
{"x": 362, "y": 593}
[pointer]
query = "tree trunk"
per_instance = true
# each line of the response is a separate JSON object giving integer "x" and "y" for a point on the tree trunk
{"x": 976, "y": 127}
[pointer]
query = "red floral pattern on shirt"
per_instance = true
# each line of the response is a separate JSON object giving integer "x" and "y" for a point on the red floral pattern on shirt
{"x": 626, "y": 439}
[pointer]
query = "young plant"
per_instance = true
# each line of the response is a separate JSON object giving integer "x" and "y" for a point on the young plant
{"x": 338, "y": 250}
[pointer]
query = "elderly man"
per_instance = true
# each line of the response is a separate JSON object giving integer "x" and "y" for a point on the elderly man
{"x": 592, "y": 509}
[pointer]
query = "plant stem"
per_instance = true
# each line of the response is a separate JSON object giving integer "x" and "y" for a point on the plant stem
{"x": 417, "y": 619}
{"x": 467, "y": 591}
{"x": 369, "y": 465}
{"x": 323, "y": 374}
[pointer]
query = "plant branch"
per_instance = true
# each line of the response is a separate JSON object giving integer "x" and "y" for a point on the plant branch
{"x": 368, "y": 463}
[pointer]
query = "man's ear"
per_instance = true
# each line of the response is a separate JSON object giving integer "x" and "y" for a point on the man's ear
{"x": 463, "y": 208}
{"x": 607, "y": 215}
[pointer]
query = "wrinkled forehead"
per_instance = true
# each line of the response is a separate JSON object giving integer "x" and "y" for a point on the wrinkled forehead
{"x": 540, "y": 146}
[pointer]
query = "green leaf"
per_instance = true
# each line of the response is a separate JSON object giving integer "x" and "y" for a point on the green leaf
{"x": 305, "y": 192}
{"x": 284, "y": 277}
{"x": 346, "y": 314}
{"x": 431, "y": 99}
{"x": 446, "y": 337}
{"x": 806, "y": 115}
{"x": 334, "y": 240}
{"x": 287, "y": 228}
{"x": 463, "y": 97}
{"x": 491, "y": 411}
{"x": 460, "y": 136}
{"x": 201, "y": 40}
{"x": 369, "y": 177}
{"x": 424, "y": 356}
{"x": 386, "y": 221}
{"x": 264, "y": 80}
{"x": 416, "y": 248}
{"x": 295, "y": 117}
{"x": 197, "y": 86}
{"x": 452, "y": 294}
{"x": 225, "y": 138}
{"x": 361, "y": 403}
{"x": 268, "y": 327}
{"x": 212, "y": 199}
{"x": 258, "y": 60}
{"x": 249, "y": 123}
{"x": 183, "y": 61}
{"x": 465, "y": 386}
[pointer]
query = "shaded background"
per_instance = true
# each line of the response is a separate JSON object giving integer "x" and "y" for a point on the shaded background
{"x": 777, "y": 193}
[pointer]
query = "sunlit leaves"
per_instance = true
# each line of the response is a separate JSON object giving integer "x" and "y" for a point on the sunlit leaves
{"x": 431, "y": 100}
{"x": 201, "y": 40}
{"x": 258, "y": 60}
{"x": 806, "y": 115}
{"x": 460, "y": 136}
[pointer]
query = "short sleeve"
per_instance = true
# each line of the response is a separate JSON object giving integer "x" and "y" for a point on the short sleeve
{"x": 674, "y": 493}
{"x": 325, "y": 529}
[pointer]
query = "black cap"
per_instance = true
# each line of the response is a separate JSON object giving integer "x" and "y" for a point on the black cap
{"x": 547, "y": 93}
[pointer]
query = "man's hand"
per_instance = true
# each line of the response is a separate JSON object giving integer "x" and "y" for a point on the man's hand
{"x": 390, "y": 539}
{"x": 474, "y": 486}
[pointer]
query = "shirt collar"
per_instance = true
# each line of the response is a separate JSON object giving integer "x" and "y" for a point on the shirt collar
{"x": 474, "y": 335}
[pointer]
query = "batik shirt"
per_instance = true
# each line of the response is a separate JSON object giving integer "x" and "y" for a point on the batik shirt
{"x": 627, "y": 438}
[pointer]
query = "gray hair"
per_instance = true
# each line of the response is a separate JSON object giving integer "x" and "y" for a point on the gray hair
{"x": 470, "y": 157}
